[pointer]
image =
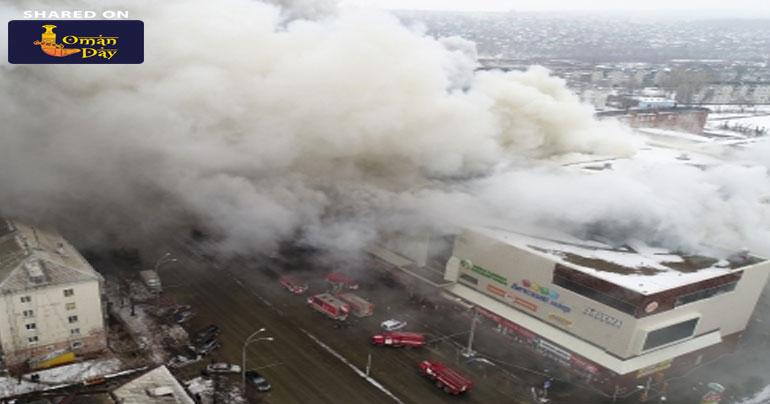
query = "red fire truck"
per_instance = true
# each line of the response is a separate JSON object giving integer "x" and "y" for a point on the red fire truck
{"x": 399, "y": 339}
{"x": 294, "y": 284}
{"x": 359, "y": 306}
{"x": 329, "y": 305}
{"x": 338, "y": 279}
{"x": 448, "y": 379}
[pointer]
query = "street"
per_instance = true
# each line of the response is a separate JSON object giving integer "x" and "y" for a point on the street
{"x": 241, "y": 298}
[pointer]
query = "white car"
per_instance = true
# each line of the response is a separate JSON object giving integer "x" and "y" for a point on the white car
{"x": 392, "y": 325}
{"x": 221, "y": 368}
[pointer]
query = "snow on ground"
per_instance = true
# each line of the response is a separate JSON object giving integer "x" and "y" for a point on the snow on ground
{"x": 59, "y": 376}
{"x": 145, "y": 330}
{"x": 203, "y": 389}
{"x": 675, "y": 134}
{"x": 754, "y": 122}
{"x": 77, "y": 372}
{"x": 717, "y": 109}
{"x": 763, "y": 397}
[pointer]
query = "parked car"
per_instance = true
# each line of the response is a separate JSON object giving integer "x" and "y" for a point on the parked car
{"x": 393, "y": 325}
{"x": 182, "y": 316}
{"x": 221, "y": 368}
{"x": 183, "y": 360}
{"x": 207, "y": 347}
{"x": 258, "y": 381}
{"x": 206, "y": 334}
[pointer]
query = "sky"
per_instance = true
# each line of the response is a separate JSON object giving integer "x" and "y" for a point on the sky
{"x": 735, "y": 7}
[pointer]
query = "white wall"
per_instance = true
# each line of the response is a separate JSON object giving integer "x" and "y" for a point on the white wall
{"x": 617, "y": 332}
{"x": 50, "y": 315}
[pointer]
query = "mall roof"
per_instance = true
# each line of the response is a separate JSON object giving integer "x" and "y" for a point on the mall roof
{"x": 638, "y": 267}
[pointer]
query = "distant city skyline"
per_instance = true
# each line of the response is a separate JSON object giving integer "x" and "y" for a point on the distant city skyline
{"x": 742, "y": 8}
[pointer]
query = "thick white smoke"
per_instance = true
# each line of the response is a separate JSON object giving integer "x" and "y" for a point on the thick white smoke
{"x": 266, "y": 125}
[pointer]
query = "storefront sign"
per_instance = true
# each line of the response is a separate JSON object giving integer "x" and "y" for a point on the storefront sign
{"x": 559, "y": 320}
{"x": 523, "y": 303}
{"x": 603, "y": 317}
{"x": 544, "y": 294}
{"x": 554, "y": 351}
{"x": 658, "y": 367}
{"x": 495, "y": 290}
{"x": 584, "y": 364}
{"x": 467, "y": 264}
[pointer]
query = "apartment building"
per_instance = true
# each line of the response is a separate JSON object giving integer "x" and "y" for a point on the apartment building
{"x": 50, "y": 297}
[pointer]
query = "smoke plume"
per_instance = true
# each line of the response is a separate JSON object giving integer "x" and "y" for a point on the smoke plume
{"x": 269, "y": 121}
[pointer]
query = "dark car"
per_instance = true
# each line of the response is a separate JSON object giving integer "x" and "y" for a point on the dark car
{"x": 258, "y": 381}
{"x": 183, "y": 316}
{"x": 206, "y": 347}
{"x": 206, "y": 334}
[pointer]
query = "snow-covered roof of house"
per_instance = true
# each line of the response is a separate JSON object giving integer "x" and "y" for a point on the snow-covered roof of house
{"x": 638, "y": 267}
{"x": 32, "y": 258}
{"x": 156, "y": 386}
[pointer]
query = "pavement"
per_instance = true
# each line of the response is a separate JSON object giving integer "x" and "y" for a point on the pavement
{"x": 312, "y": 360}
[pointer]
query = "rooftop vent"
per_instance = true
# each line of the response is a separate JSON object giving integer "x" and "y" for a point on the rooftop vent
{"x": 161, "y": 391}
{"x": 35, "y": 271}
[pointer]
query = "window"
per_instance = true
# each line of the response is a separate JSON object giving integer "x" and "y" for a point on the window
{"x": 26, "y": 299}
{"x": 28, "y": 313}
{"x": 705, "y": 293}
{"x": 31, "y": 326}
{"x": 70, "y": 306}
{"x": 32, "y": 339}
{"x": 469, "y": 279}
{"x": 76, "y": 344}
{"x": 75, "y": 331}
{"x": 72, "y": 319}
{"x": 69, "y": 292}
{"x": 593, "y": 294}
{"x": 667, "y": 335}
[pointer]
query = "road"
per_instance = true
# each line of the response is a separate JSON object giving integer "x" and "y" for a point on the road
{"x": 243, "y": 295}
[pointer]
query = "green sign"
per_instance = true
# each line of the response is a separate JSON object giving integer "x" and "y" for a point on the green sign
{"x": 489, "y": 274}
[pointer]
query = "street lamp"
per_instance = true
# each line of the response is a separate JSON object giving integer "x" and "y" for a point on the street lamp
{"x": 165, "y": 259}
{"x": 246, "y": 343}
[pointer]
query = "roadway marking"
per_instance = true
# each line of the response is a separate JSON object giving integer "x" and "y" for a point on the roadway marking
{"x": 358, "y": 371}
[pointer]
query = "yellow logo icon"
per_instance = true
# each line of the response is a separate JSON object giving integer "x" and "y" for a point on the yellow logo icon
{"x": 49, "y": 46}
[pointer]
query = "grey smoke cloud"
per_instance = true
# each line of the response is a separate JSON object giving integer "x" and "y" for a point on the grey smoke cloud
{"x": 265, "y": 125}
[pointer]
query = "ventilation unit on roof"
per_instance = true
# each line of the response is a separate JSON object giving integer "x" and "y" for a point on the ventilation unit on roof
{"x": 35, "y": 271}
{"x": 60, "y": 249}
{"x": 161, "y": 391}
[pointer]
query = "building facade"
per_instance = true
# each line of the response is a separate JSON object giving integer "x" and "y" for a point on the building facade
{"x": 612, "y": 317}
{"x": 50, "y": 297}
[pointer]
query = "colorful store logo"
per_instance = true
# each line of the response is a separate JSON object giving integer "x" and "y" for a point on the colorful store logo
{"x": 542, "y": 293}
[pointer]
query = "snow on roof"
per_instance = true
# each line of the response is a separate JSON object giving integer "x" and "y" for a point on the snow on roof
{"x": 636, "y": 267}
{"x": 53, "y": 260}
{"x": 144, "y": 389}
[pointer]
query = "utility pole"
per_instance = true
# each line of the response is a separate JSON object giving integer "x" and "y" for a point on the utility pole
{"x": 251, "y": 338}
{"x": 468, "y": 352}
